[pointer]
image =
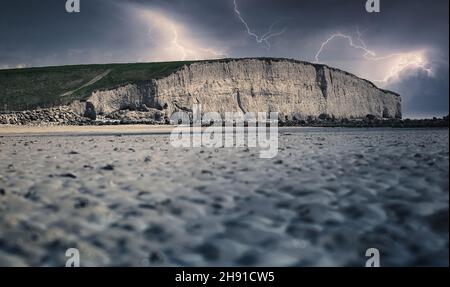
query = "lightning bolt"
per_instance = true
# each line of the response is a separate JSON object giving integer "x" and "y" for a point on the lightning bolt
{"x": 404, "y": 62}
{"x": 368, "y": 54}
{"x": 183, "y": 50}
{"x": 401, "y": 61}
{"x": 264, "y": 39}
{"x": 173, "y": 38}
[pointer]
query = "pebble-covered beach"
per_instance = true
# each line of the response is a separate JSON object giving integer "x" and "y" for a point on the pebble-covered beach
{"x": 134, "y": 200}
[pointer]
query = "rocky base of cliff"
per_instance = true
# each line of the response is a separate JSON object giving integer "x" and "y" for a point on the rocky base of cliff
{"x": 368, "y": 122}
{"x": 65, "y": 116}
{"x": 51, "y": 116}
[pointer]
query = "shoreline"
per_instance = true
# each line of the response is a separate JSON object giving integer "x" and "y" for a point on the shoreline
{"x": 137, "y": 129}
{"x": 84, "y": 130}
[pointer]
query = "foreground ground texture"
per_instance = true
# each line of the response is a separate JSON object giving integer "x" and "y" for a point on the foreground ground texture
{"x": 135, "y": 200}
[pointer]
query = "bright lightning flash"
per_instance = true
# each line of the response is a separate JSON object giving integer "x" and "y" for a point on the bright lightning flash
{"x": 395, "y": 64}
{"x": 172, "y": 39}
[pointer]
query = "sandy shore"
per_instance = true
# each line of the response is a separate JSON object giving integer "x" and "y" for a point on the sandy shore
{"x": 134, "y": 200}
{"x": 88, "y": 130}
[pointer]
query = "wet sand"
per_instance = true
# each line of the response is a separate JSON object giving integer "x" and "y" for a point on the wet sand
{"x": 84, "y": 130}
{"x": 125, "y": 197}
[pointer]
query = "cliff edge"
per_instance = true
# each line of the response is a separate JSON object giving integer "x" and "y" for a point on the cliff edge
{"x": 295, "y": 89}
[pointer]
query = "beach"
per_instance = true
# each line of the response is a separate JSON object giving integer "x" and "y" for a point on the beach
{"x": 124, "y": 196}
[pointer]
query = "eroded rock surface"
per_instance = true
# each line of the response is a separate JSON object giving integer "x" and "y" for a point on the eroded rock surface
{"x": 294, "y": 89}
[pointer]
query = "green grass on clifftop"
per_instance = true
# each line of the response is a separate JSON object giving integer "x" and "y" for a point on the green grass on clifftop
{"x": 22, "y": 89}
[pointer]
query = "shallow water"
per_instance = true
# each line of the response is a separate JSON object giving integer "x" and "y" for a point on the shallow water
{"x": 134, "y": 200}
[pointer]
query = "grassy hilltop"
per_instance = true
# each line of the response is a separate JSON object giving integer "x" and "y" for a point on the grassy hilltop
{"x": 22, "y": 89}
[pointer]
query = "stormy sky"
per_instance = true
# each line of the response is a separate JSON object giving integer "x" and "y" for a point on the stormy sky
{"x": 404, "y": 48}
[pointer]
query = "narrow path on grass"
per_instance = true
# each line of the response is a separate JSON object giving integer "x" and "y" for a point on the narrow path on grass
{"x": 91, "y": 82}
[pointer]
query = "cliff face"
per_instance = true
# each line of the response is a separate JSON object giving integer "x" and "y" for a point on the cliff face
{"x": 292, "y": 88}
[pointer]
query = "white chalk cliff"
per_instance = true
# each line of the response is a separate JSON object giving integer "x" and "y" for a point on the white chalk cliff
{"x": 295, "y": 89}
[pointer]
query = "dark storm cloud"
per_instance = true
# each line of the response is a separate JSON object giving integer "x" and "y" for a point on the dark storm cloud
{"x": 36, "y": 33}
{"x": 424, "y": 96}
